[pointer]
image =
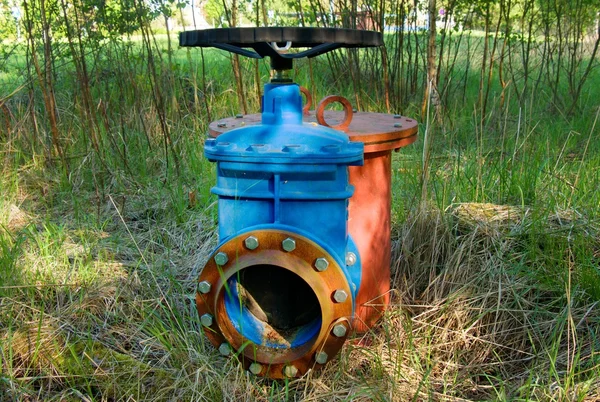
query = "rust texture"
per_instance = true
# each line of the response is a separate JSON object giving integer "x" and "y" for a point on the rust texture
{"x": 300, "y": 261}
{"x": 308, "y": 104}
{"x": 348, "y": 113}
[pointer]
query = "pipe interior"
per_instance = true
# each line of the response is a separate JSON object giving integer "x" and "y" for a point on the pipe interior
{"x": 286, "y": 307}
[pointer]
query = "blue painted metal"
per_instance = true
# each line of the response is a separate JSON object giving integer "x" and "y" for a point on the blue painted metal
{"x": 283, "y": 174}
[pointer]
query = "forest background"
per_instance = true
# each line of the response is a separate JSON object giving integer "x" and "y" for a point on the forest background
{"x": 106, "y": 214}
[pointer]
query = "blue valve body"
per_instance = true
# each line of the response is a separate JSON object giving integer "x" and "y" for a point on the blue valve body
{"x": 287, "y": 175}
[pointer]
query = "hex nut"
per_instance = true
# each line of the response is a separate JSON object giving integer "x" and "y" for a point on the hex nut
{"x": 321, "y": 264}
{"x": 340, "y": 296}
{"x": 206, "y": 320}
{"x": 204, "y": 287}
{"x": 290, "y": 371}
{"x": 255, "y": 368}
{"x": 339, "y": 330}
{"x": 321, "y": 357}
{"x": 350, "y": 258}
{"x": 221, "y": 258}
{"x": 397, "y": 125}
{"x": 289, "y": 244}
{"x": 225, "y": 349}
{"x": 251, "y": 242}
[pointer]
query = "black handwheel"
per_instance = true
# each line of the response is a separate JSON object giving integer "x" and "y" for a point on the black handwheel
{"x": 266, "y": 41}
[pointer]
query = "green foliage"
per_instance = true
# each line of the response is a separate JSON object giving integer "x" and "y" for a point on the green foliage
{"x": 100, "y": 273}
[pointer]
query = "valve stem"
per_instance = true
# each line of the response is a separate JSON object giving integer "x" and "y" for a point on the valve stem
{"x": 281, "y": 76}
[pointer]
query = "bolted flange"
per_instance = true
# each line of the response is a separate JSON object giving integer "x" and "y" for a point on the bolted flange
{"x": 290, "y": 371}
{"x": 321, "y": 264}
{"x": 321, "y": 357}
{"x": 340, "y": 296}
{"x": 204, "y": 287}
{"x": 255, "y": 368}
{"x": 289, "y": 244}
{"x": 251, "y": 242}
{"x": 275, "y": 362}
{"x": 206, "y": 320}
{"x": 225, "y": 349}
{"x": 221, "y": 258}
{"x": 339, "y": 330}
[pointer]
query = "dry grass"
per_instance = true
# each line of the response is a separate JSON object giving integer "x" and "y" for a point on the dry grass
{"x": 463, "y": 324}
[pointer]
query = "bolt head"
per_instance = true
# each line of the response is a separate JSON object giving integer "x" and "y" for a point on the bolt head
{"x": 206, "y": 320}
{"x": 350, "y": 258}
{"x": 255, "y": 368}
{"x": 204, "y": 287}
{"x": 251, "y": 242}
{"x": 321, "y": 264}
{"x": 225, "y": 349}
{"x": 340, "y": 295}
{"x": 397, "y": 125}
{"x": 221, "y": 258}
{"x": 321, "y": 357}
{"x": 339, "y": 330}
{"x": 288, "y": 245}
{"x": 397, "y": 116}
{"x": 290, "y": 371}
{"x": 239, "y": 116}
{"x": 221, "y": 125}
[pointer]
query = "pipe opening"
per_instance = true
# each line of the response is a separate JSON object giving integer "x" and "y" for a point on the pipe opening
{"x": 273, "y": 306}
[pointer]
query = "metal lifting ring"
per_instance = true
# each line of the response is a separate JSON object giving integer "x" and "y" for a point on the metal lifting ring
{"x": 306, "y": 108}
{"x": 285, "y": 48}
{"x": 348, "y": 112}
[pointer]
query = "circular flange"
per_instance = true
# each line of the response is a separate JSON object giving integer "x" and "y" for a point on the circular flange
{"x": 378, "y": 131}
{"x": 299, "y": 261}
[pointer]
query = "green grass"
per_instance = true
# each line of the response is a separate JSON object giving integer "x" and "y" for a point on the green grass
{"x": 495, "y": 274}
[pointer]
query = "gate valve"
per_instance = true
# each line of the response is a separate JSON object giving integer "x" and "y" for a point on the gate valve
{"x": 300, "y": 264}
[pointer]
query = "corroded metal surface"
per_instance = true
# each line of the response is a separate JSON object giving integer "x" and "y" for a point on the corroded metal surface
{"x": 300, "y": 261}
{"x": 308, "y": 103}
{"x": 348, "y": 112}
{"x": 369, "y": 226}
